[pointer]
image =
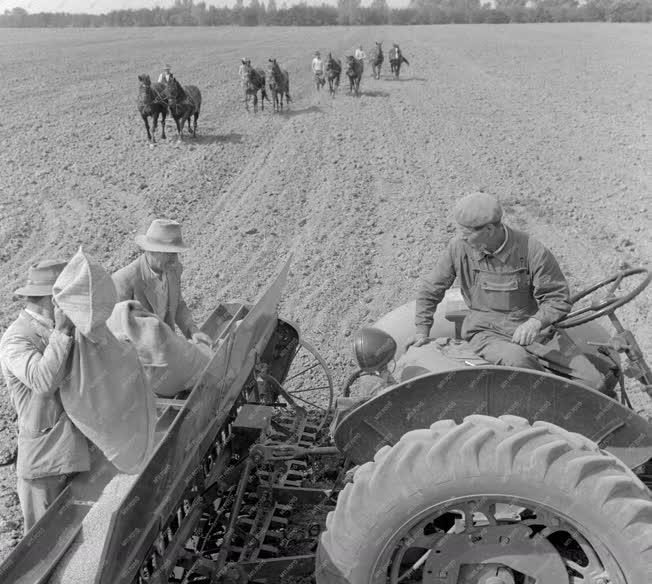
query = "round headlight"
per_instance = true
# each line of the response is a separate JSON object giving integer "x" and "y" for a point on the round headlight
{"x": 373, "y": 348}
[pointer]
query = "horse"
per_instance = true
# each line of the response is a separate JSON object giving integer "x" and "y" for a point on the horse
{"x": 333, "y": 72}
{"x": 184, "y": 103}
{"x": 279, "y": 84}
{"x": 396, "y": 58}
{"x": 377, "y": 59}
{"x": 255, "y": 83}
{"x": 151, "y": 102}
{"x": 354, "y": 73}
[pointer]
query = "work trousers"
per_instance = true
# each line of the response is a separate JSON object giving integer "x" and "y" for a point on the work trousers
{"x": 559, "y": 356}
{"x": 36, "y": 495}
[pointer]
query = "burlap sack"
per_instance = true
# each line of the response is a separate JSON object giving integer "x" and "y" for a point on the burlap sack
{"x": 171, "y": 362}
{"x": 105, "y": 394}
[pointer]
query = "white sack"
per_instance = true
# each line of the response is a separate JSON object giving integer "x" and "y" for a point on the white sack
{"x": 171, "y": 362}
{"x": 105, "y": 393}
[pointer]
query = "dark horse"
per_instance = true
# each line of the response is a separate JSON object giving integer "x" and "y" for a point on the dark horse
{"x": 333, "y": 72}
{"x": 151, "y": 102}
{"x": 255, "y": 83}
{"x": 377, "y": 59}
{"x": 184, "y": 103}
{"x": 396, "y": 58}
{"x": 279, "y": 84}
{"x": 354, "y": 73}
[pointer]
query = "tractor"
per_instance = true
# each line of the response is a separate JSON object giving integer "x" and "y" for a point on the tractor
{"x": 470, "y": 473}
{"x": 432, "y": 467}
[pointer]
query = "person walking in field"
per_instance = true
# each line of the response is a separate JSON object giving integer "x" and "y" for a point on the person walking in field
{"x": 164, "y": 77}
{"x": 318, "y": 70}
{"x": 243, "y": 71}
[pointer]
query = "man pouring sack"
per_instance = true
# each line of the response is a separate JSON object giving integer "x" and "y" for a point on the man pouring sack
{"x": 34, "y": 356}
{"x": 154, "y": 278}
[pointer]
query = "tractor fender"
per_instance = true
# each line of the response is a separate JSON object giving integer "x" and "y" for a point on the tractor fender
{"x": 493, "y": 391}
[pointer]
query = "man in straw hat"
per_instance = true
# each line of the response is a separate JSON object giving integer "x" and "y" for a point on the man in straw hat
{"x": 164, "y": 77}
{"x": 34, "y": 355}
{"x": 154, "y": 278}
{"x": 514, "y": 289}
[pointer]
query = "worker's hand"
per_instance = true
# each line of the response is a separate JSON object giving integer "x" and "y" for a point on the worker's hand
{"x": 418, "y": 340}
{"x": 61, "y": 322}
{"x": 200, "y": 337}
{"x": 526, "y": 333}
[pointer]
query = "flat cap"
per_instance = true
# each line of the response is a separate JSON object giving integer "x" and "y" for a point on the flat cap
{"x": 477, "y": 209}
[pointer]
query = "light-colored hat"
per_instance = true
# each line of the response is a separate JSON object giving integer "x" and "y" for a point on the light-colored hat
{"x": 167, "y": 68}
{"x": 477, "y": 209}
{"x": 41, "y": 277}
{"x": 162, "y": 235}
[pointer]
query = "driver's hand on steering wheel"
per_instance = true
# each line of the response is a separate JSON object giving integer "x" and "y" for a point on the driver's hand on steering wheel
{"x": 526, "y": 332}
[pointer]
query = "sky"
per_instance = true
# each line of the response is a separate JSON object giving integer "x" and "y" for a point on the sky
{"x": 100, "y": 6}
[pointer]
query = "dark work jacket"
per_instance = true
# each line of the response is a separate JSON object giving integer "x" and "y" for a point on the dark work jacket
{"x": 502, "y": 291}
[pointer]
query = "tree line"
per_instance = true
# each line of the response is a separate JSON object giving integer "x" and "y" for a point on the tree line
{"x": 347, "y": 12}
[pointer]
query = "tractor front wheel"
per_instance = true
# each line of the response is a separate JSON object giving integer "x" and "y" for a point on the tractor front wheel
{"x": 490, "y": 501}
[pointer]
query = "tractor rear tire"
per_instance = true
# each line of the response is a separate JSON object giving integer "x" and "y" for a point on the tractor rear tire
{"x": 504, "y": 457}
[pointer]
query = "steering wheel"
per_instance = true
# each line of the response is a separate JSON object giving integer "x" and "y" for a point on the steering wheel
{"x": 606, "y": 305}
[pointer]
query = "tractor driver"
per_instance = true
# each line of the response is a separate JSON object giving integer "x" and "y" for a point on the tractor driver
{"x": 514, "y": 289}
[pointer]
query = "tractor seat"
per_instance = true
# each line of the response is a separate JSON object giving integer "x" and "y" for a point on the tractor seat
{"x": 456, "y": 311}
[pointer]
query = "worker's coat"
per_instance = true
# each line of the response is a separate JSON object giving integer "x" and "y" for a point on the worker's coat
{"x": 136, "y": 282}
{"x": 33, "y": 357}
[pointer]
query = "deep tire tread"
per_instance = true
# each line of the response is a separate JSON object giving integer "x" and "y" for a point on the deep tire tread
{"x": 481, "y": 445}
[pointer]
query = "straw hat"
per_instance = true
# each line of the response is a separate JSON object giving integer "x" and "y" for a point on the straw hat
{"x": 41, "y": 277}
{"x": 162, "y": 235}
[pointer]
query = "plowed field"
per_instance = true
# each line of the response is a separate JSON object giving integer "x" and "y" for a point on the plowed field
{"x": 553, "y": 119}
